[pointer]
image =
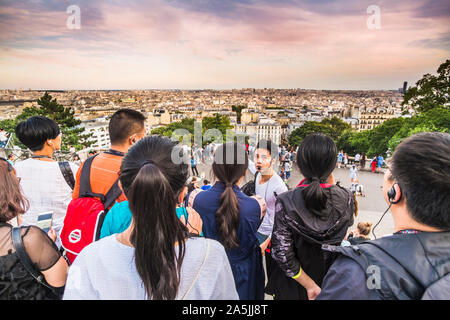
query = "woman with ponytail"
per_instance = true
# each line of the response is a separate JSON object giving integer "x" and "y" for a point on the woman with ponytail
{"x": 155, "y": 257}
{"x": 317, "y": 212}
{"x": 233, "y": 218}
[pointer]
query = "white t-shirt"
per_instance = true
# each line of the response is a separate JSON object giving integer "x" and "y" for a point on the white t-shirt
{"x": 287, "y": 167}
{"x": 357, "y": 157}
{"x": 105, "y": 270}
{"x": 46, "y": 189}
{"x": 353, "y": 172}
{"x": 266, "y": 191}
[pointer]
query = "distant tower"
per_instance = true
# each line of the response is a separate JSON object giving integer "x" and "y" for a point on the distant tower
{"x": 405, "y": 85}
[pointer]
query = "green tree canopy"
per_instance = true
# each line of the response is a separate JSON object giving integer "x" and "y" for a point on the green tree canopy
{"x": 434, "y": 120}
{"x": 219, "y": 122}
{"x": 238, "y": 110}
{"x": 333, "y": 127}
{"x": 64, "y": 117}
{"x": 430, "y": 91}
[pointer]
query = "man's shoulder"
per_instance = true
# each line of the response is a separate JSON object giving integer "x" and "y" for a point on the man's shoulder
{"x": 279, "y": 185}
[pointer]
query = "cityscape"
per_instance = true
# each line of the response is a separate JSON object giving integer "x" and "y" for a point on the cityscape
{"x": 232, "y": 153}
{"x": 268, "y": 113}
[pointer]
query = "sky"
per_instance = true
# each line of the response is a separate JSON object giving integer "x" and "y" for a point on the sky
{"x": 221, "y": 44}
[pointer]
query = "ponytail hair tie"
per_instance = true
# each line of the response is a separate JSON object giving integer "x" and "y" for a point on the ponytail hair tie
{"x": 147, "y": 162}
{"x": 229, "y": 184}
{"x": 313, "y": 179}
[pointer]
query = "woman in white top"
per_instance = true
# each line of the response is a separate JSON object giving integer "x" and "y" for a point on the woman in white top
{"x": 42, "y": 181}
{"x": 156, "y": 257}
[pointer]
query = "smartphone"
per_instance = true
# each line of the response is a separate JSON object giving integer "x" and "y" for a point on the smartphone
{"x": 45, "y": 220}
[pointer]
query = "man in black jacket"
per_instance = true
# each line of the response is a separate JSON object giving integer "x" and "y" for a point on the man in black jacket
{"x": 413, "y": 263}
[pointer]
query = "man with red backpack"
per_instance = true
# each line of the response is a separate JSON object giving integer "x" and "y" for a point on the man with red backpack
{"x": 96, "y": 186}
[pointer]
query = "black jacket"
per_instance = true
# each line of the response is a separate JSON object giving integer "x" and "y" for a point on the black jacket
{"x": 411, "y": 266}
{"x": 298, "y": 234}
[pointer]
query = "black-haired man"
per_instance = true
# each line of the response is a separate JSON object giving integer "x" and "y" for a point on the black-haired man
{"x": 126, "y": 127}
{"x": 413, "y": 263}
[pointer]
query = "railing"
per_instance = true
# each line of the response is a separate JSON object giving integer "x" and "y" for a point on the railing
{"x": 23, "y": 154}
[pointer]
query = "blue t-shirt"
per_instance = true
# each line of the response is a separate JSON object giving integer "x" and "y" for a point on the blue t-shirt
{"x": 206, "y": 187}
{"x": 380, "y": 160}
{"x": 118, "y": 219}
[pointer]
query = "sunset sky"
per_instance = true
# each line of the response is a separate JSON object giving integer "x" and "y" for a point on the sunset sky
{"x": 221, "y": 44}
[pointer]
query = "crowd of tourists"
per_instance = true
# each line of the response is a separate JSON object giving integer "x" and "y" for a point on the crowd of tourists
{"x": 129, "y": 223}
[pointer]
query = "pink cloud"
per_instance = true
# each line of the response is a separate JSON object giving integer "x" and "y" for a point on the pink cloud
{"x": 277, "y": 42}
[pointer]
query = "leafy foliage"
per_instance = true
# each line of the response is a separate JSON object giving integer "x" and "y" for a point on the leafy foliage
{"x": 64, "y": 117}
{"x": 430, "y": 91}
{"x": 333, "y": 127}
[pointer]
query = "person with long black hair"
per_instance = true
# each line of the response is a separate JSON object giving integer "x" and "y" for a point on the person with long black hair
{"x": 233, "y": 218}
{"x": 317, "y": 212}
{"x": 168, "y": 262}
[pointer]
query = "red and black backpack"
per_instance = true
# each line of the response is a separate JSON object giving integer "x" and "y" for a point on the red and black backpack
{"x": 85, "y": 215}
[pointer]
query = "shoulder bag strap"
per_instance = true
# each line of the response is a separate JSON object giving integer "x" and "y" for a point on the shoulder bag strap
{"x": 67, "y": 173}
{"x": 24, "y": 258}
{"x": 256, "y": 174}
{"x": 199, "y": 270}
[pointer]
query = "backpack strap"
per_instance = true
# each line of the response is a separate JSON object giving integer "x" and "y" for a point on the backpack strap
{"x": 24, "y": 257}
{"x": 67, "y": 173}
{"x": 85, "y": 181}
{"x": 113, "y": 193}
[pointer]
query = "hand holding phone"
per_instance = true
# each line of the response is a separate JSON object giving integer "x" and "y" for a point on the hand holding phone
{"x": 52, "y": 234}
{"x": 45, "y": 220}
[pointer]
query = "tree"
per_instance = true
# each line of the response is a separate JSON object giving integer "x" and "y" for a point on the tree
{"x": 338, "y": 127}
{"x": 333, "y": 127}
{"x": 360, "y": 141}
{"x": 219, "y": 122}
{"x": 64, "y": 117}
{"x": 430, "y": 91}
{"x": 8, "y": 125}
{"x": 297, "y": 136}
{"x": 380, "y": 135}
{"x": 434, "y": 120}
{"x": 238, "y": 110}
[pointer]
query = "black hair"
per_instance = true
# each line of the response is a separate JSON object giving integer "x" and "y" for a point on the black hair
{"x": 421, "y": 167}
{"x": 230, "y": 164}
{"x": 124, "y": 123}
{"x": 152, "y": 181}
{"x": 316, "y": 159}
{"x": 35, "y": 131}
{"x": 205, "y": 181}
{"x": 269, "y": 146}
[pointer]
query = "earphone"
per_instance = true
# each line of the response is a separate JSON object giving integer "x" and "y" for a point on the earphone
{"x": 391, "y": 196}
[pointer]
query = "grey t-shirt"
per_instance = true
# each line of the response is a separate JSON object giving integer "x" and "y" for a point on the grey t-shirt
{"x": 266, "y": 191}
{"x": 106, "y": 269}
